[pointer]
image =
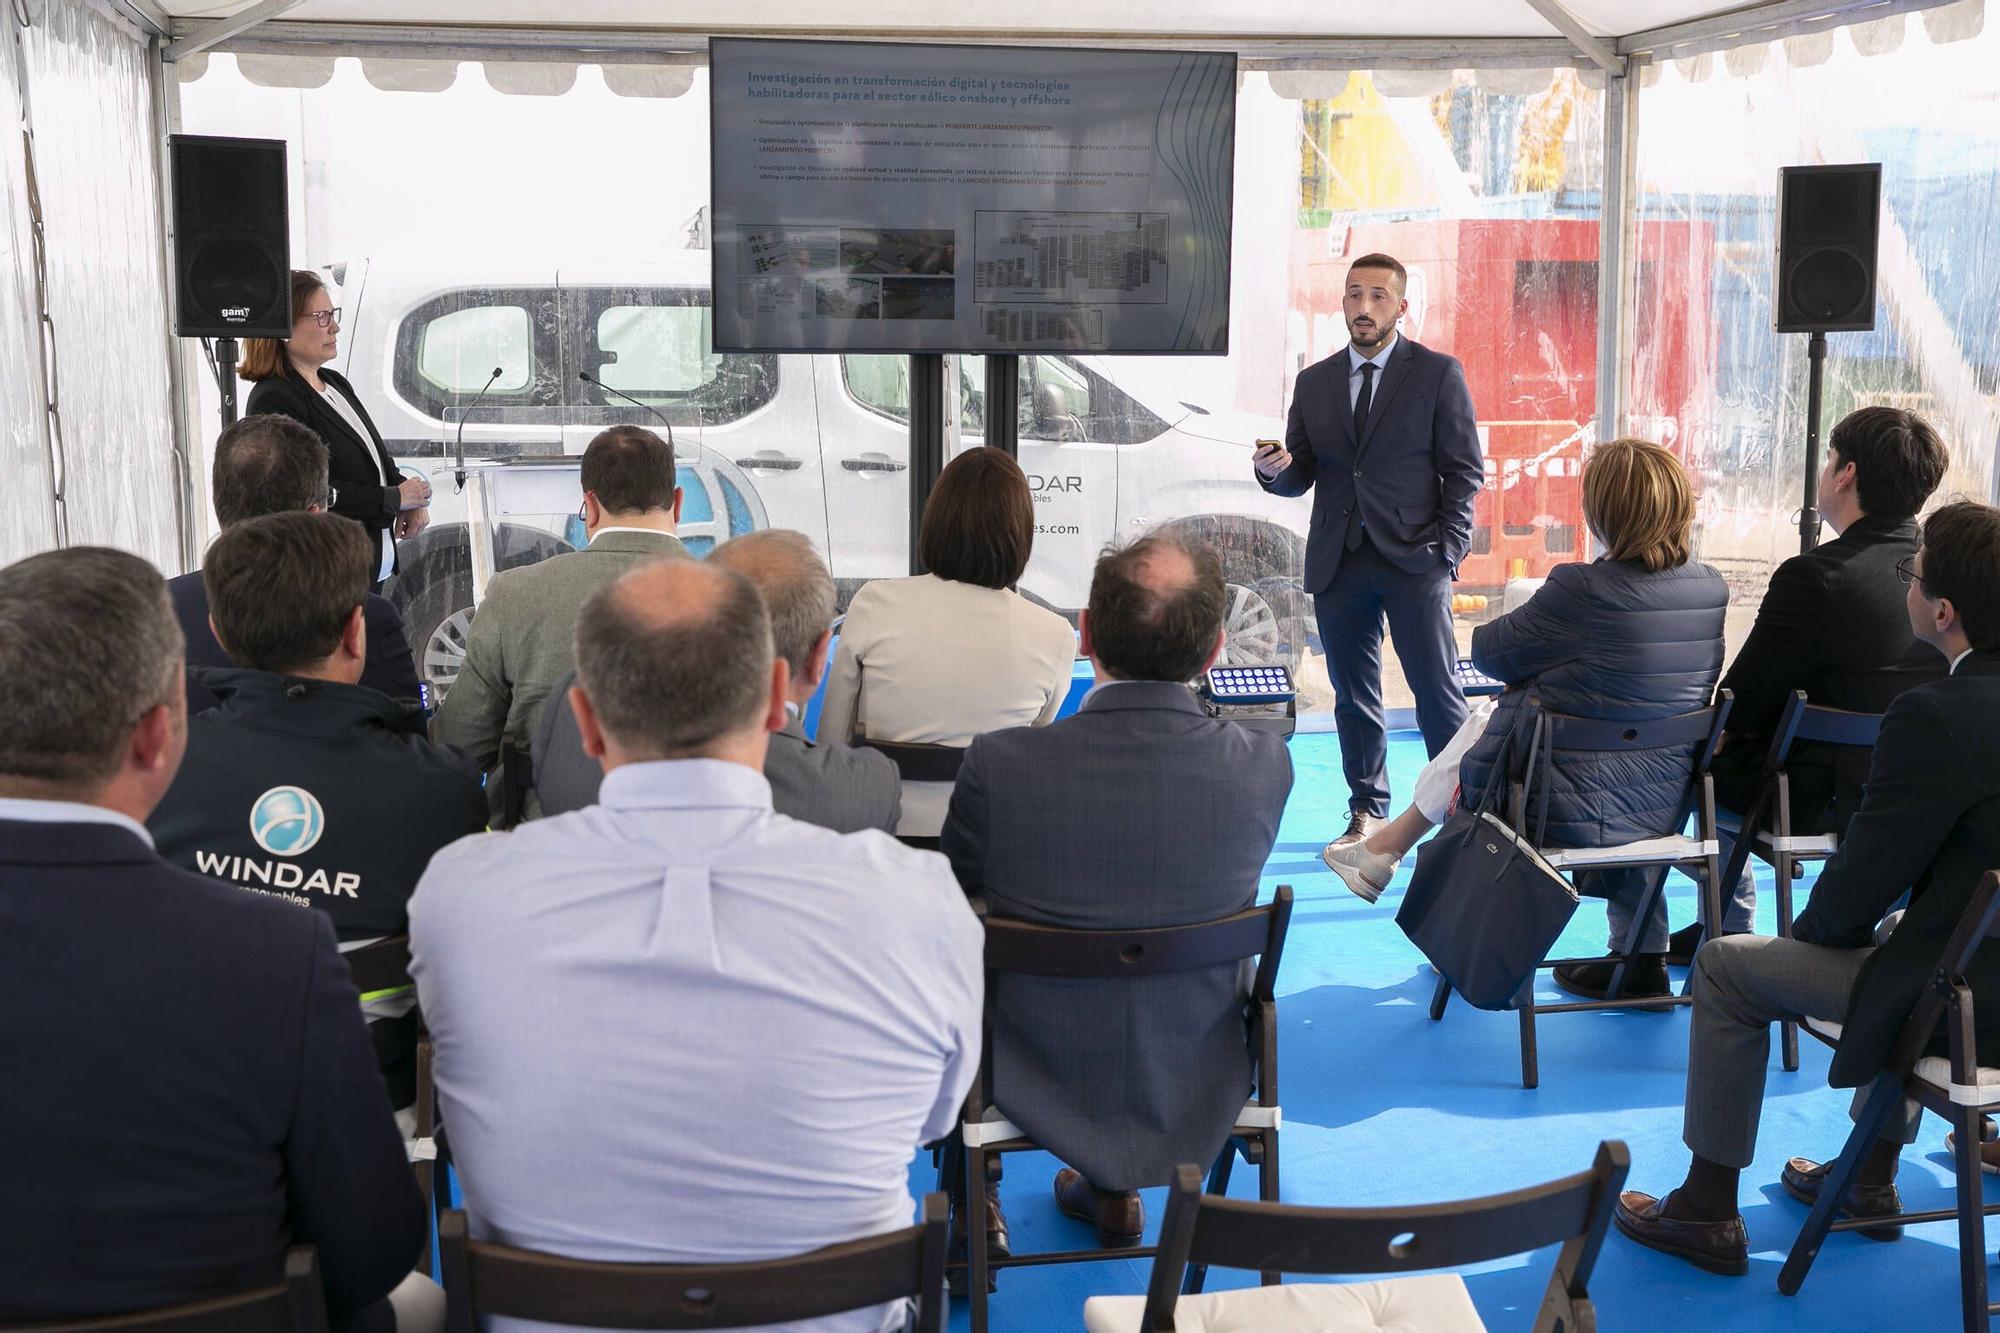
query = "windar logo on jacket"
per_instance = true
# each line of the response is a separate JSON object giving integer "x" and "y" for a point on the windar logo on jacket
{"x": 286, "y": 821}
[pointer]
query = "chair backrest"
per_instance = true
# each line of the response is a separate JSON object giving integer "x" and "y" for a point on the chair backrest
{"x": 296, "y": 1305}
{"x": 1803, "y": 722}
{"x": 920, "y": 762}
{"x": 382, "y": 965}
{"x": 1030, "y": 949}
{"x": 1701, "y": 727}
{"x": 517, "y": 778}
{"x": 1239, "y": 1233}
{"x": 1979, "y": 922}
{"x": 483, "y": 1279}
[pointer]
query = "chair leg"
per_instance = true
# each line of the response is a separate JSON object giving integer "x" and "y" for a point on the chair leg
{"x": 975, "y": 1234}
{"x": 1267, "y": 1190}
{"x": 1439, "y": 998}
{"x": 1218, "y": 1184}
{"x": 1788, "y": 1031}
{"x": 1971, "y": 1222}
{"x": 1882, "y": 1099}
{"x": 1531, "y": 1068}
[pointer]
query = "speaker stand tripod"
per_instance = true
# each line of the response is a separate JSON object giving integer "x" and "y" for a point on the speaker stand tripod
{"x": 225, "y": 379}
{"x": 1815, "y": 376}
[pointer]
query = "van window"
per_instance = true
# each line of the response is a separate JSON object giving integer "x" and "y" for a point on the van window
{"x": 879, "y": 383}
{"x": 656, "y": 350}
{"x": 458, "y": 351}
{"x": 657, "y": 344}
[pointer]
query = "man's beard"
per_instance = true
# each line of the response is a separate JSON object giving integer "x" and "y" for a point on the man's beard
{"x": 1361, "y": 339}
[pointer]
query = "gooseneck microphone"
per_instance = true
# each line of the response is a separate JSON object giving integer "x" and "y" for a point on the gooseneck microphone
{"x": 459, "y": 444}
{"x": 589, "y": 378}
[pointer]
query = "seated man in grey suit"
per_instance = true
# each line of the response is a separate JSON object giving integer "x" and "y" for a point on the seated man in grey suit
{"x": 840, "y": 787}
{"x": 520, "y": 642}
{"x": 1139, "y": 811}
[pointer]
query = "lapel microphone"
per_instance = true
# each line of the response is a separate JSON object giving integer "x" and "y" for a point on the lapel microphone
{"x": 460, "y": 443}
{"x": 659, "y": 416}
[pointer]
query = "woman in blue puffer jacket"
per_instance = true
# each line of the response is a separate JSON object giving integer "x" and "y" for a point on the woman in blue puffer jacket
{"x": 1633, "y": 635}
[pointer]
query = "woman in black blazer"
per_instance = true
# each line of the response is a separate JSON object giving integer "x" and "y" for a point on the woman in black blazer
{"x": 292, "y": 380}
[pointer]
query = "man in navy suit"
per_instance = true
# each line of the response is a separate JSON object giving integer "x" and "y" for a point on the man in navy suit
{"x": 189, "y": 1086}
{"x": 1383, "y": 432}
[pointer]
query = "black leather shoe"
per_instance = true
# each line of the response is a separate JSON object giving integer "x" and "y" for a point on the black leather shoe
{"x": 1681, "y": 945}
{"x": 1118, "y": 1215}
{"x": 1718, "y": 1247}
{"x": 1645, "y": 978}
{"x": 956, "y": 1249}
{"x": 1802, "y": 1178}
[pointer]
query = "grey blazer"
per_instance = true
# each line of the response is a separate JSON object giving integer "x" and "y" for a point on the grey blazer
{"x": 834, "y": 786}
{"x": 1138, "y": 811}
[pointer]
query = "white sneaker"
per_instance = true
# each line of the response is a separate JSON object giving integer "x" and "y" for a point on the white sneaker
{"x": 1366, "y": 873}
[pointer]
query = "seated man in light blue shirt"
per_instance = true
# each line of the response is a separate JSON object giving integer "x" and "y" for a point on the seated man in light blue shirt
{"x": 677, "y": 1026}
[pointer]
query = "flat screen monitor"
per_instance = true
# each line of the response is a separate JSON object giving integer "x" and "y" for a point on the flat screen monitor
{"x": 905, "y": 197}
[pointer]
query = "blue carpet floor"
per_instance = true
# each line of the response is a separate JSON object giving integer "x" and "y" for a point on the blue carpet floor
{"x": 1382, "y": 1106}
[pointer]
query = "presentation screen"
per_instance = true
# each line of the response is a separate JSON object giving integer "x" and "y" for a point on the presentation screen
{"x": 900, "y": 197}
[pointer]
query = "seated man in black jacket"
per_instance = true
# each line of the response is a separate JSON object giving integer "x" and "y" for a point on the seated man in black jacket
{"x": 297, "y": 785}
{"x": 1929, "y": 824}
{"x": 188, "y": 1086}
{"x": 1833, "y": 624}
{"x": 274, "y": 465}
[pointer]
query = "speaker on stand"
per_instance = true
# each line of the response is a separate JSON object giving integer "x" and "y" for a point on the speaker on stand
{"x": 232, "y": 246}
{"x": 1828, "y": 230}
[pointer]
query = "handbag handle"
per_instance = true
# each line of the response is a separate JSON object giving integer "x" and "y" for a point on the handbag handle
{"x": 1496, "y": 776}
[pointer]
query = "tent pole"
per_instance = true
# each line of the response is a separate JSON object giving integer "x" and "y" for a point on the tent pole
{"x": 1617, "y": 240}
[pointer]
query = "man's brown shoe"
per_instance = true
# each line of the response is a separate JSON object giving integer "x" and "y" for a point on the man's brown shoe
{"x": 1802, "y": 1178}
{"x": 1118, "y": 1215}
{"x": 1719, "y": 1247}
{"x": 956, "y": 1248}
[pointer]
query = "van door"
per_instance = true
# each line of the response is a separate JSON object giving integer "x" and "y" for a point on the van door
{"x": 744, "y": 427}
{"x": 864, "y": 421}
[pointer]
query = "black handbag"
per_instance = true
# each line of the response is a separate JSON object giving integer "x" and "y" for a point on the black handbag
{"x": 1483, "y": 905}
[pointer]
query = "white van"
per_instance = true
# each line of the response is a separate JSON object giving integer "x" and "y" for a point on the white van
{"x": 819, "y": 444}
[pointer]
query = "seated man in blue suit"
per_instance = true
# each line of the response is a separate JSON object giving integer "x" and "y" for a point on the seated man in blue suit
{"x": 274, "y": 465}
{"x": 1139, "y": 811}
{"x": 190, "y": 1088}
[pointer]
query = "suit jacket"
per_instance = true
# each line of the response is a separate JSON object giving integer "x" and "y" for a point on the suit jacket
{"x": 840, "y": 787}
{"x": 191, "y": 1089}
{"x": 391, "y": 669}
{"x": 1833, "y": 624}
{"x": 1138, "y": 811}
{"x": 359, "y": 491}
{"x": 1410, "y": 478}
{"x": 521, "y": 642}
{"x": 1929, "y": 823}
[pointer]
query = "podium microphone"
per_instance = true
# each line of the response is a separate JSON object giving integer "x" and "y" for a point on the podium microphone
{"x": 459, "y": 444}
{"x": 588, "y": 378}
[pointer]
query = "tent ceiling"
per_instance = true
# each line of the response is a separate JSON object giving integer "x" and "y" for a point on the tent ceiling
{"x": 1434, "y": 19}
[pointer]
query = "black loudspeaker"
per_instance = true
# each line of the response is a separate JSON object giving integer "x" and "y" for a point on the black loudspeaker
{"x": 232, "y": 238}
{"x": 1828, "y": 219}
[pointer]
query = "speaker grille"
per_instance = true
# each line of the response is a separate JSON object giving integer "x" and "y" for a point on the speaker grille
{"x": 1827, "y": 232}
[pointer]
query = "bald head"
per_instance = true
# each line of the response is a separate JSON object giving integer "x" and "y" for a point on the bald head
{"x": 1156, "y": 609}
{"x": 675, "y": 656}
{"x": 795, "y": 585}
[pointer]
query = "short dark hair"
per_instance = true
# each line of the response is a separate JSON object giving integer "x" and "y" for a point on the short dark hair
{"x": 1145, "y": 626}
{"x": 88, "y": 646}
{"x": 1898, "y": 459}
{"x": 674, "y": 655}
{"x": 281, "y": 587}
{"x": 794, "y": 583}
{"x": 630, "y": 470}
{"x": 1379, "y": 260}
{"x": 1962, "y": 566}
{"x": 266, "y": 464}
{"x": 979, "y": 523}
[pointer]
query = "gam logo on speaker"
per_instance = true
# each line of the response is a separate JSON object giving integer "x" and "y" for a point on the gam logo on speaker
{"x": 287, "y": 821}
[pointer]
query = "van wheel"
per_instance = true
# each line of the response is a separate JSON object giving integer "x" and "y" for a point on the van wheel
{"x": 441, "y": 620}
{"x": 1257, "y": 634}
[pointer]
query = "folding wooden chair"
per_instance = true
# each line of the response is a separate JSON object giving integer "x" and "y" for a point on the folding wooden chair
{"x": 484, "y": 1279}
{"x": 919, "y": 762}
{"x": 295, "y": 1305}
{"x": 1955, "y": 1086}
{"x": 1052, "y": 951}
{"x": 384, "y": 965}
{"x": 1198, "y": 1229}
{"x": 1774, "y": 836}
{"x": 1702, "y": 729}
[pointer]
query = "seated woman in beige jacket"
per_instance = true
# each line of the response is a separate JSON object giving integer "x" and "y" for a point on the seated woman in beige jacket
{"x": 945, "y": 656}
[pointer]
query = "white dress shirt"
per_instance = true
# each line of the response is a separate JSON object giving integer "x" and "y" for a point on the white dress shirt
{"x": 934, "y": 660}
{"x": 1380, "y": 360}
{"x": 678, "y": 1027}
{"x": 69, "y": 812}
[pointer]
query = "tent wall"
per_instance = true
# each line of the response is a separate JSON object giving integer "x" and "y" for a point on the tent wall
{"x": 89, "y": 96}
{"x": 27, "y": 504}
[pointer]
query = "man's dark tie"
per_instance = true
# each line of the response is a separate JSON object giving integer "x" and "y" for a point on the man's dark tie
{"x": 1363, "y": 399}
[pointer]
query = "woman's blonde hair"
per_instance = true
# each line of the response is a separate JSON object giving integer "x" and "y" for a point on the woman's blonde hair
{"x": 1637, "y": 499}
{"x": 265, "y": 358}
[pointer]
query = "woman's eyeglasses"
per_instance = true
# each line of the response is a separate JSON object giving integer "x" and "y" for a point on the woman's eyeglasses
{"x": 1907, "y": 573}
{"x": 324, "y": 317}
